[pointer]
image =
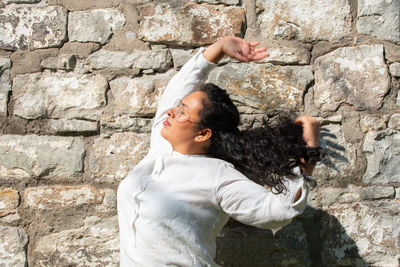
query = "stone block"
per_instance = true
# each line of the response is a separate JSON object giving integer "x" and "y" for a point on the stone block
{"x": 361, "y": 234}
{"x": 125, "y": 123}
{"x": 351, "y": 194}
{"x": 395, "y": 69}
{"x": 95, "y": 25}
{"x": 5, "y": 83}
{"x": 336, "y": 196}
{"x": 264, "y": 86}
{"x": 356, "y": 76}
{"x": 304, "y": 20}
{"x": 138, "y": 96}
{"x": 20, "y": 1}
{"x": 372, "y": 123}
{"x": 111, "y": 158}
{"x": 13, "y": 243}
{"x": 59, "y": 95}
{"x": 248, "y": 121}
{"x": 351, "y": 127}
{"x": 382, "y": 150}
{"x": 241, "y": 245}
{"x": 332, "y": 119}
{"x": 111, "y": 59}
{"x": 72, "y": 126}
{"x": 225, "y": 2}
{"x": 203, "y": 24}
{"x": 398, "y": 99}
{"x": 30, "y": 156}
{"x": 286, "y": 52}
{"x": 127, "y": 38}
{"x": 32, "y": 27}
{"x": 11, "y": 218}
{"x": 159, "y": 60}
{"x": 109, "y": 203}
{"x": 377, "y": 192}
{"x": 94, "y": 244}
{"x": 180, "y": 56}
{"x": 152, "y": 59}
{"x": 73, "y": 5}
{"x": 55, "y": 197}
{"x": 29, "y": 61}
{"x": 5, "y": 63}
{"x": 9, "y": 201}
{"x": 379, "y": 19}
{"x": 62, "y": 62}
{"x": 394, "y": 122}
{"x": 392, "y": 52}
{"x": 81, "y": 50}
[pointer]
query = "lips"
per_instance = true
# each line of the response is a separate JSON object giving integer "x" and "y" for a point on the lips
{"x": 166, "y": 123}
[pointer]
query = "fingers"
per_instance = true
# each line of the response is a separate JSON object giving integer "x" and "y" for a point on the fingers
{"x": 260, "y": 56}
{"x": 257, "y": 53}
{"x": 243, "y": 53}
{"x": 242, "y": 58}
{"x": 253, "y": 44}
{"x": 242, "y": 50}
{"x": 305, "y": 118}
{"x": 298, "y": 120}
{"x": 260, "y": 50}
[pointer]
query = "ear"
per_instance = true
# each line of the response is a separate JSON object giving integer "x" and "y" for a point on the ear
{"x": 203, "y": 135}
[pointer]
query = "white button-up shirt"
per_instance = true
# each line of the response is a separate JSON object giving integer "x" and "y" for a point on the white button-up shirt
{"x": 171, "y": 206}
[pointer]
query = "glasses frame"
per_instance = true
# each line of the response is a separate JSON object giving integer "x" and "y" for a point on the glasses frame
{"x": 180, "y": 109}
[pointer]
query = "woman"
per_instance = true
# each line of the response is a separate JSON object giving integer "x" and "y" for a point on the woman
{"x": 174, "y": 203}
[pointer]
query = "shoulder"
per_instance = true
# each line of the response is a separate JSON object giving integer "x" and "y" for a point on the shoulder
{"x": 227, "y": 171}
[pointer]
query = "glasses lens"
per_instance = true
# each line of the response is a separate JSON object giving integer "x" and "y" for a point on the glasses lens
{"x": 181, "y": 114}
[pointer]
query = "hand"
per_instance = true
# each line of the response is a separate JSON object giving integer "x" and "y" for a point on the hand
{"x": 242, "y": 50}
{"x": 311, "y": 130}
{"x": 236, "y": 48}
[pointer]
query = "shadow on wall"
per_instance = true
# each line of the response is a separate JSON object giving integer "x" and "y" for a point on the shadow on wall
{"x": 314, "y": 239}
{"x": 332, "y": 149}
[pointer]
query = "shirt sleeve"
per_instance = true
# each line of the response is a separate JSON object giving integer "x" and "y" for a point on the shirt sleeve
{"x": 252, "y": 204}
{"x": 185, "y": 82}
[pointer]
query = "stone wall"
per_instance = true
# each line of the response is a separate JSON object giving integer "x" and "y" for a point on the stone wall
{"x": 79, "y": 84}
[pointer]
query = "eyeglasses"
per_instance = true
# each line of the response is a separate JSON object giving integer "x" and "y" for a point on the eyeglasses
{"x": 181, "y": 113}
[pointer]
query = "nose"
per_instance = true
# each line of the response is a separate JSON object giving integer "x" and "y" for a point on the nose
{"x": 171, "y": 112}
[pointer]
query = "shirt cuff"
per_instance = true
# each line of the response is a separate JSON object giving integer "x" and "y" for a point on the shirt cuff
{"x": 301, "y": 203}
{"x": 202, "y": 62}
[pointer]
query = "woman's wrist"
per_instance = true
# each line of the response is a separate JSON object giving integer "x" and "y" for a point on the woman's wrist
{"x": 315, "y": 143}
{"x": 215, "y": 52}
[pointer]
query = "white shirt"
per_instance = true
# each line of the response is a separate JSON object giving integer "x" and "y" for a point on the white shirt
{"x": 171, "y": 206}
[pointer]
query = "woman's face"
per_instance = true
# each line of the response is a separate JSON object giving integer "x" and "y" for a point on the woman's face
{"x": 181, "y": 126}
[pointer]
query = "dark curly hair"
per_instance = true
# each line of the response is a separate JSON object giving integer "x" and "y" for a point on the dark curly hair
{"x": 266, "y": 154}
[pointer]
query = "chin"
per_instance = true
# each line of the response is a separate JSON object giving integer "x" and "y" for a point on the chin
{"x": 164, "y": 134}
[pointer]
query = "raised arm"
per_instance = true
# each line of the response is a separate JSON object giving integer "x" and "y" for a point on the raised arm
{"x": 194, "y": 73}
{"x": 311, "y": 132}
{"x": 252, "y": 204}
{"x": 186, "y": 81}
